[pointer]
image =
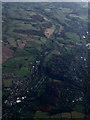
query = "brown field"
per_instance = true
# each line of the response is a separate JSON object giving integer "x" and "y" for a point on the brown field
{"x": 71, "y": 46}
{"x": 21, "y": 43}
{"x": 7, "y": 82}
{"x": 49, "y": 31}
{"x": 31, "y": 13}
{"x": 6, "y": 53}
{"x": 56, "y": 52}
{"x": 30, "y": 39}
{"x": 77, "y": 115}
{"x": 60, "y": 30}
{"x": 66, "y": 115}
{"x": 73, "y": 114}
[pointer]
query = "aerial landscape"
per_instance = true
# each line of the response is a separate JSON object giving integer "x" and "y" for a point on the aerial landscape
{"x": 44, "y": 55}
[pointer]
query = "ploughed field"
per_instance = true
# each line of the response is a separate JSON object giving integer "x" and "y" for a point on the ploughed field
{"x": 44, "y": 60}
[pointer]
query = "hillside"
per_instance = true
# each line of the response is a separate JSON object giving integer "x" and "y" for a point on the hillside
{"x": 44, "y": 60}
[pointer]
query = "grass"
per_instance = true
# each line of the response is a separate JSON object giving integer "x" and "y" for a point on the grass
{"x": 69, "y": 50}
{"x": 33, "y": 46}
{"x": 47, "y": 58}
{"x": 56, "y": 116}
{"x": 55, "y": 52}
{"x": 41, "y": 90}
{"x": 60, "y": 16}
{"x": 7, "y": 82}
{"x": 65, "y": 10}
{"x": 40, "y": 114}
{"x": 60, "y": 40}
{"x": 43, "y": 40}
{"x": 66, "y": 115}
{"x": 77, "y": 115}
{"x": 15, "y": 61}
{"x": 34, "y": 82}
{"x": 48, "y": 10}
{"x": 82, "y": 17}
{"x": 23, "y": 71}
{"x": 27, "y": 114}
{"x": 30, "y": 53}
{"x": 88, "y": 117}
{"x": 13, "y": 65}
{"x": 16, "y": 36}
{"x": 12, "y": 42}
{"x": 79, "y": 108}
{"x": 25, "y": 26}
{"x": 73, "y": 37}
{"x": 72, "y": 115}
{"x": 7, "y": 69}
{"x": 1, "y": 94}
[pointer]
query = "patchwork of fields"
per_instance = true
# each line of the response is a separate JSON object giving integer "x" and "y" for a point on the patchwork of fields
{"x": 44, "y": 60}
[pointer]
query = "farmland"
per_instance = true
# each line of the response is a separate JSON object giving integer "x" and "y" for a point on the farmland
{"x": 44, "y": 60}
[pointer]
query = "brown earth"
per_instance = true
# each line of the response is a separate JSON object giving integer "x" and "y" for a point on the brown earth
{"x": 60, "y": 30}
{"x": 30, "y": 39}
{"x": 56, "y": 52}
{"x": 6, "y": 53}
{"x": 44, "y": 108}
{"x": 71, "y": 46}
{"x": 49, "y": 31}
{"x": 21, "y": 43}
